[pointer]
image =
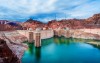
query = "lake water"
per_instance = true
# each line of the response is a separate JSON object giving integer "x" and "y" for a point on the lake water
{"x": 62, "y": 50}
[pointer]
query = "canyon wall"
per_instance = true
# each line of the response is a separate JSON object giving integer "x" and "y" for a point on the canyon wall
{"x": 79, "y": 33}
{"x": 92, "y": 31}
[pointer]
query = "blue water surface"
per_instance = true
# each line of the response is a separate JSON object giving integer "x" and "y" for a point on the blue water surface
{"x": 62, "y": 50}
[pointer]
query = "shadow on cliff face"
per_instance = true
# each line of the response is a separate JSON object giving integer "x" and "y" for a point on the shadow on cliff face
{"x": 6, "y": 55}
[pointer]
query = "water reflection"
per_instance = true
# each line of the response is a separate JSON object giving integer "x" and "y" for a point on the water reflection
{"x": 34, "y": 50}
{"x": 30, "y": 48}
{"x": 38, "y": 52}
{"x": 68, "y": 41}
{"x": 48, "y": 41}
{"x": 63, "y": 40}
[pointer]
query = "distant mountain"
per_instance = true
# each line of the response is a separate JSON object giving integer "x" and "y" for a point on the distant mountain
{"x": 4, "y": 21}
{"x": 30, "y": 23}
{"x": 8, "y": 25}
{"x": 71, "y": 23}
{"x": 95, "y": 19}
{"x": 92, "y": 22}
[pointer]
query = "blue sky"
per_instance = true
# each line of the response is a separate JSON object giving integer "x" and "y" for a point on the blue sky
{"x": 45, "y": 10}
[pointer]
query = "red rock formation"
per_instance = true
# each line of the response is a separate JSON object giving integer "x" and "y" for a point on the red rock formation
{"x": 95, "y": 19}
{"x": 71, "y": 23}
{"x": 92, "y": 22}
{"x": 32, "y": 24}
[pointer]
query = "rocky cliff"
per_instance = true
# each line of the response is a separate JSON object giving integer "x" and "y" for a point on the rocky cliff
{"x": 95, "y": 19}
{"x": 93, "y": 22}
{"x": 32, "y": 24}
{"x": 14, "y": 41}
{"x": 70, "y": 23}
{"x": 6, "y": 55}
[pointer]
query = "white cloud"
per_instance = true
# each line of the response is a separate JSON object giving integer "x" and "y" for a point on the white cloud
{"x": 79, "y": 9}
{"x": 29, "y": 6}
{"x": 26, "y": 7}
{"x": 23, "y": 9}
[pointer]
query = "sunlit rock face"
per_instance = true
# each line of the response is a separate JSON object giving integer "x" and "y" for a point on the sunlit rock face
{"x": 93, "y": 22}
{"x": 6, "y": 55}
{"x": 71, "y": 23}
{"x": 95, "y": 19}
{"x": 32, "y": 24}
{"x": 54, "y": 24}
{"x": 13, "y": 36}
{"x": 14, "y": 41}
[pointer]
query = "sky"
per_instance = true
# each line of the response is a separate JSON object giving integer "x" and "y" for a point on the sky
{"x": 46, "y": 10}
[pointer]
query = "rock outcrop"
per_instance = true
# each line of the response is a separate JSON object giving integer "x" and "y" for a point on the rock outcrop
{"x": 95, "y": 19}
{"x": 6, "y": 55}
{"x": 32, "y": 24}
{"x": 70, "y": 23}
{"x": 93, "y": 22}
{"x": 14, "y": 41}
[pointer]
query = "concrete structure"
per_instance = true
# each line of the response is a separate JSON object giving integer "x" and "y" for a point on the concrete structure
{"x": 44, "y": 33}
{"x": 31, "y": 37}
{"x": 37, "y": 40}
{"x": 37, "y": 35}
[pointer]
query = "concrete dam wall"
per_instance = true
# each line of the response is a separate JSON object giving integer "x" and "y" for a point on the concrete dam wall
{"x": 44, "y": 33}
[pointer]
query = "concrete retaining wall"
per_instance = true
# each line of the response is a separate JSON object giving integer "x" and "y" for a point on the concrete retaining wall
{"x": 47, "y": 34}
